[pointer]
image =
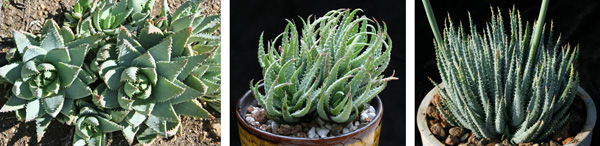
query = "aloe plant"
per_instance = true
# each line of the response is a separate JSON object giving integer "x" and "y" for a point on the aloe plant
{"x": 189, "y": 15}
{"x": 516, "y": 87}
{"x": 92, "y": 124}
{"x": 48, "y": 75}
{"x": 152, "y": 84}
{"x": 106, "y": 16}
{"x": 334, "y": 68}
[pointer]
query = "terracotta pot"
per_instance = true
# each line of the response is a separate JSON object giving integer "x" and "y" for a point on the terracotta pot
{"x": 583, "y": 138}
{"x": 250, "y": 136}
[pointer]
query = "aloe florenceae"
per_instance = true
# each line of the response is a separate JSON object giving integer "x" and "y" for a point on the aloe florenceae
{"x": 92, "y": 124}
{"x": 152, "y": 84}
{"x": 516, "y": 87}
{"x": 48, "y": 75}
{"x": 333, "y": 69}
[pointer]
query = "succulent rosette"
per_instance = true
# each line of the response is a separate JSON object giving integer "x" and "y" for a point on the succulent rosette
{"x": 48, "y": 75}
{"x": 92, "y": 125}
{"x": 148, "y": 83}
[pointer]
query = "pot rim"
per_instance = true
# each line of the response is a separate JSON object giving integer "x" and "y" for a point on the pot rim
{"x": 375, "y": 102}
{"x": 426, "y": 134}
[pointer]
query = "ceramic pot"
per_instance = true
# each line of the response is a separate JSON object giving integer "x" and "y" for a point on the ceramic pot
{"x": 583, "y": 138}
{"x": 250, "y": 136}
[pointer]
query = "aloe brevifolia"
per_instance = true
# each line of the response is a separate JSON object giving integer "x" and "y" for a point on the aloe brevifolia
{"x": 334, "y": 68}
{"x": 515, "y": 87}
{"x": 106, "y": 16}
{"x": 151, "y": 86}
{"x": 48, "y": 76}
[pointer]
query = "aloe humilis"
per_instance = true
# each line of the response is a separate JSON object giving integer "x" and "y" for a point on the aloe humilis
{"x": 48, "y": 76}
{"x": 333, "y": 68}
{"x": 516, "y": 87}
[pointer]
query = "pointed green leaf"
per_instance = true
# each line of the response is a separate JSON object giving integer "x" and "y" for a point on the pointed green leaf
{"x": 51, "y": 37}
{"x": 145, "y": 60}
{"x": 13, "y": 104}
{"x": 23, "y": 40}
{"x": 171, "y": 69}
{"x": 109, "y": 126}
{"x": 192, "y": 63}
{"x": 180, "y": 40}
{"x": 78, "y": 90}
{"x": 67, "y": 73}
{"x": 58, "y": 55}
{"x": 33, "y": 110}
{"x": 192, "y": 108}
{"x": 67, "y": 34}
{"x": 29, "y": 69}
{"x": 164, "y": 110}
{"x": 11, "y": 72}
{"x": 166, "y": 90}
{"x": 53, "y": 105}
{"x": 21, "y": 90}
{"x": 112, "y": 78}
{"x": 147, "y": 136}
{"x": 157, "y": 124}
{"x": 77, "y": 54}
{"x": 162, "y": 51}
{"x": 41, "y": 125}
{"x": 33, "y": 52}
{"x": 127, "y": 53}
{"x": 135, "y": 118}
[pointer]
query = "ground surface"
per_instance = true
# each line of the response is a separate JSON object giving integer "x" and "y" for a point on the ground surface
{"x": 27, "y": 15}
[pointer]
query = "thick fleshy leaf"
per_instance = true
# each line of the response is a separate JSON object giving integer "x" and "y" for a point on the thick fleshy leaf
{"x": 68, "y": 107}
{"x": 135, "y": 118}
{"x": 157, "y": 124}
{"x": 109, "y": 126}
{"x": 53, "y": 105}
{"x": 125, "y": 35}
{"x": 106, "y": 66}
{"x": 189, "y": 93}
{"x": 51, "y": 37}
{"x": 78, "y": 90}
{"x": 58, "y": 55}
{"x": 21, "y": 90}
{"x": 151, "y": 74}
{"x": 170, "y": 70}
{"x": 144, "y": 106}
{"x": 182, "y": 23}
{"x": 13, "y": 103}
{"x": 11, "y": 72}
{"x": 129, "y": 74}
{"x": 67, "y": 73}
{"x": 33, "y": 52}
{"x": 192, "y": 108}
{"x": 145, "y": 60}
{"x": 166, "y": 90}
{"x": 67, "y": 34}
{"x": 192, "y": 63}
{"x": 89, "y": 40}
{"x": 33, "y": 110}
{"x": 41, "y": 125}
{"x": 112, "y": 78}
{"x": 162, "y": 51}
{"x": 23, "y": 40}
{"x": 147, "y": 136}
{"x": 78, "y": 54}
{"x": 165, "y": 111}
{"x": 108, "y": 99}
{"x": 150, "y": 36}
{"x": 29, "y": 69}
{"x": 127, "y": 53}
{"x": 180, "y": 40}
{"x": 129, "y": 133}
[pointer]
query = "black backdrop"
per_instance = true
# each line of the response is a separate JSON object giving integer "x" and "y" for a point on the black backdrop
{"x": 576, "y": 20}
{"x": 250, "y": 18}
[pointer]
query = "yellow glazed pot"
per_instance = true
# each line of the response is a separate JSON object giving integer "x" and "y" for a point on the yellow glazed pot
{"x": 250, "y": 136}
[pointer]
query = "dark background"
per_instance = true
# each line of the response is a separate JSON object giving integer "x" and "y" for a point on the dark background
{"x": 576, "y": 20}
{"x": 250, "y": 18}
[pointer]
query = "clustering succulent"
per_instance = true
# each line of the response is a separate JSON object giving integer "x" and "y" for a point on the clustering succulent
{"x": 48, "y": 76}
{"x": 516, "y": 87}
{"x": 334, "y": 68}
{"x": 117, "y": 72}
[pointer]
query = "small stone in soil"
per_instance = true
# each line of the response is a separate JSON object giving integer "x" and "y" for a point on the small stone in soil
{"x": 481, "y": 142}
{"x": 265, "y": 127}
{"x": 284, "y": 129}
{"x": 260, "y": 116}
{"x": 312, "y": 133}
{"x": 567, "y": 140}
{"x": 465, "y": 144}
{"x": 438, "y": 130}
{"x": 554, "y": 143}
{"x": 302, "y": 134}
{"x": 456, "y": 131}
{"x": 323, "y": 132}
{"x": 506, "y": 142}
{"x": 526, "y": 144}
{"x": 451, "y": 140}
{"x": 250, "y": 109}
{"x": 464, "y": 137}
{"x": 337, "y": 130}
{"x": 432, "y": 112}
{"x": 345, "y": 130}
{"x": 328, "y": 126}
{"x": 297, "y": 129}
